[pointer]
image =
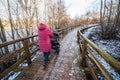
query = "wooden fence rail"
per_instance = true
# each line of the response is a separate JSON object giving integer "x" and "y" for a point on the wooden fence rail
{"x": 19, "y": 55}
{"x": 23, "y": 53}
{"x": 87, "y": 55}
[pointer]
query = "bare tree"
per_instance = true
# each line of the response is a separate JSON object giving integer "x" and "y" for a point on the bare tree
{"x": 55, "y": 13}
{"x": 10, "y": 20}
{"x": 116, "y": 26}
{"x": 3, "y": 39}
{"x": 109, "y": 21}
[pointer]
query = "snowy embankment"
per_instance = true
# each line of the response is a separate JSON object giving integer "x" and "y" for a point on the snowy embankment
{"x": 110, "y": 46}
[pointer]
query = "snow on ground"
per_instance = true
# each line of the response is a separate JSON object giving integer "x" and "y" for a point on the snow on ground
{"x": 66, "y": 67}
{"x": 110, "y": 46}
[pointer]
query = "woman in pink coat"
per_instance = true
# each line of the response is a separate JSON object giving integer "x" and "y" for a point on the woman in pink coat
{"x": 44, "y": 34}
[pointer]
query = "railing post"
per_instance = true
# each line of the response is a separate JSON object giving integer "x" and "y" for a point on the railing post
{"x": 83, "y": 49}
{"x": 27, "y": 52}
{"x": 84, "y": 52}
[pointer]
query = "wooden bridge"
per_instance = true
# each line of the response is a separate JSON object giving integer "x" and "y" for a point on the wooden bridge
{"x": 28, "y": 47}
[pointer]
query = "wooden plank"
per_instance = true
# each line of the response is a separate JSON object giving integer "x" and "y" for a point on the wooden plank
{"x": 35, "y": 70}
{"x": 27, "y": 52}
{"x": 14, "y": 66}
{"x": 34, "y": 51}
{"x": 10, "y": 55}
{"x": 91, "y": 70}
{"x": 84, "y": 52}
{"x": 99, "y": 65}
{"x": 33, "y": 43}
{"x": 14, "y": 41}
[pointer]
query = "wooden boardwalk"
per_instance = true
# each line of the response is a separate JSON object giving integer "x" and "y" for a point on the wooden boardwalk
{"x": 61, "y": 67}
{"x": 64, "y": 66}
{"x": 35, "y": 71}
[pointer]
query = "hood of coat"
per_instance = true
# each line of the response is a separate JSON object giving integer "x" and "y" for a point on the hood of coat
{"x": 42, "y": 26}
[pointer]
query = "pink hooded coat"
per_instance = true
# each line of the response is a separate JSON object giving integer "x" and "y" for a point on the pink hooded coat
{"x": 44, "y": 34}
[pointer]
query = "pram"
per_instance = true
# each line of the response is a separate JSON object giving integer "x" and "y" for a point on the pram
{"x": 55, "y": 42}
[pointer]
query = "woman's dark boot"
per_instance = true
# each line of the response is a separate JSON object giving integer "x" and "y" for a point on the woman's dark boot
{"x": 44, "y": 65}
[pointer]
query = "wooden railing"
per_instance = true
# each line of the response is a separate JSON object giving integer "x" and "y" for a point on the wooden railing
{"x": 65, "y": 30}
{"x": 24, "y": 52}
{"x": 87, "y": 57}
{"x": 19, "y": 55}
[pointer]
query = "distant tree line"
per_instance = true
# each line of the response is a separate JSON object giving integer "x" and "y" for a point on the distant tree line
{"x": 24, "y": 17}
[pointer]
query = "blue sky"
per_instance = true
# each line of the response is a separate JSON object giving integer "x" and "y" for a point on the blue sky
{"x": 78, "y": 7}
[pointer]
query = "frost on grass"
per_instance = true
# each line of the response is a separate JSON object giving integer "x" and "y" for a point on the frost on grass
{"x": 112, "y": 47}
